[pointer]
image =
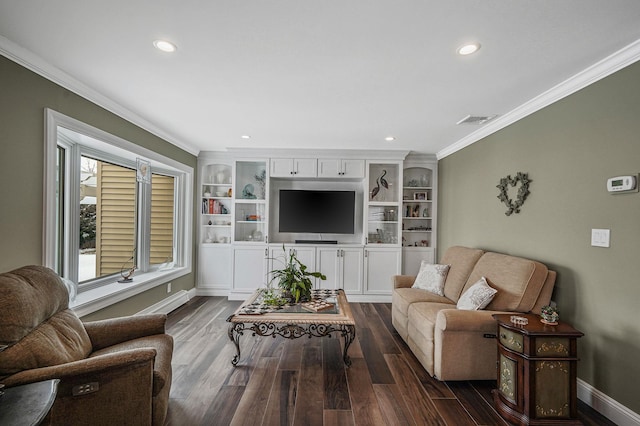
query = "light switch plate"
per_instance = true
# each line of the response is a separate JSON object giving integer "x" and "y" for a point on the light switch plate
{"x": 600, "y": 237}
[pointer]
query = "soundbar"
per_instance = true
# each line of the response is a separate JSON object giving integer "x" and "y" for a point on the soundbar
{"x": 316, "y": 241}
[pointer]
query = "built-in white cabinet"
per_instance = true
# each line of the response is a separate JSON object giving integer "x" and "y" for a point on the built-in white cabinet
{"x": 341, "y": 168}
{"x": 395, "y": 219}
{"x": 250, "y": 268}
{"x": 215, "y": 269}
{"x": 294, "y": 168}
{"x": 380, "y": 265}
{"x": 342, "y": 266}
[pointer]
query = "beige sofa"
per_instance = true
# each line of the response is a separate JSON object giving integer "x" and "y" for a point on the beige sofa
{"x": 454, "y": 344}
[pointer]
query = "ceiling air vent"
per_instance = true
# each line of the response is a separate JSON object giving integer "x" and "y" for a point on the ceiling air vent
{"x": 476, "y": 119}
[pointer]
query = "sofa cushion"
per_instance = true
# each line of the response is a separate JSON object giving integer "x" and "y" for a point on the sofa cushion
{"x": 477, "y": 296}
{"x": 402, "y": 298}
{"x": 517, "y": 280}
{"x": 462, "y": 261}
{"x": 431, "y": 277}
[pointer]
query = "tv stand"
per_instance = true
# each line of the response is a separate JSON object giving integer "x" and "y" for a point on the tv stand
{"x": 316, "y": 241}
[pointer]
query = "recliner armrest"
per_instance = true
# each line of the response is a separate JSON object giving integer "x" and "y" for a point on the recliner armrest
{"x": 463, "y": 320}
{"x": 403, "y": 281}
{"x": 103, "y": 364}
{"x": 109, "y": 332}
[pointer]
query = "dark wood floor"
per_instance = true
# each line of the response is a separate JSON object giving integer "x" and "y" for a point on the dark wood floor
{"x": 304, "y": 381}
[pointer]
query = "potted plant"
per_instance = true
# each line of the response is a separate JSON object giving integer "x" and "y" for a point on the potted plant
{"x": 549, "y": 315}
{"x": 294, "y": 280}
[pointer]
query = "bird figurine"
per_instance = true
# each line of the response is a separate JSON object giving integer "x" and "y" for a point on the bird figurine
{"x": 375, "y": 190}
{"x": 383, "y": 181}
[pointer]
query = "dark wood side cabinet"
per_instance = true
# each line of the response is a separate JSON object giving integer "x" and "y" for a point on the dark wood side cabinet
{"x": 537, "y": 369}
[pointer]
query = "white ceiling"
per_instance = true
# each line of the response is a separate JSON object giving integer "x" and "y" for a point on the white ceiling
{"x": 314, "y": 73}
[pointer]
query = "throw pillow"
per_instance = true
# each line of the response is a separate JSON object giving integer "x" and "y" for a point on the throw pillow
{"x": 477, "y": 296}
{"x": 431, "y": 277}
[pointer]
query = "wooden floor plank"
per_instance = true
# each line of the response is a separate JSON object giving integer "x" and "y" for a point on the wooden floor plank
{"x": 336, "y": 391}
{"x": 480, "y": 411}
{"x": 383, "y": 337}
{"x": 224, "y": 406}
{"x": 364, "y": 404}
{"x": 338, "y": 418}
{"x": 393, "y": 406}
{"x": 373, "y": 354}
{"x": 422, "y": 408}
{"x": 310, "y": 399}
{"x": 454, "y": 414}
{"x": 282, "y": 401}
{"x": 253, "y": 403}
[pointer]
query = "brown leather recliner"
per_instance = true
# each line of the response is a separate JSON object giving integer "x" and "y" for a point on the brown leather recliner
{"x": 115, "y": 371}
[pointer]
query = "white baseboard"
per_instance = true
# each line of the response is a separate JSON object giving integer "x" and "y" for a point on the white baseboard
{"x": 607, "y": 406}
{"x": 203, "y": 291}
{"x": 169, "y": 304}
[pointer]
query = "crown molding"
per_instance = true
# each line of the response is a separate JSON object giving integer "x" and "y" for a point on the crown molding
{"x": 614, "y": 62}
{"x": 34, "y": 63}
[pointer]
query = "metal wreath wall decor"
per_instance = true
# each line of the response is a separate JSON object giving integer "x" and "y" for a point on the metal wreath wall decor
{"x": 523, "y": 191}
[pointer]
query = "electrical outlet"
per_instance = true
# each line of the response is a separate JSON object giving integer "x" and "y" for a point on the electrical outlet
{"x": 169, "y": 288}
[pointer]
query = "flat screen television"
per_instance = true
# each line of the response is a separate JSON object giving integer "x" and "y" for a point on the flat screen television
{"x": 317, "y": 211}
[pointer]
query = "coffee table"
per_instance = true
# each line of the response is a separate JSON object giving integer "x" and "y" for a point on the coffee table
{"x": 293, "y": 321}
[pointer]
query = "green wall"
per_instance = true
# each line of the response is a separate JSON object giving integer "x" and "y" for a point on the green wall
{"x": 23, "y": 97}
{"x": 569, "y": 149}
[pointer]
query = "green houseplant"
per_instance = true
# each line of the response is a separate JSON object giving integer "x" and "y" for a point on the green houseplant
{"x": 293, "y": 279}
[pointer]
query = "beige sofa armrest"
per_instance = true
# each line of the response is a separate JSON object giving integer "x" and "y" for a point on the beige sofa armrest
{"x": 112, "y": 331}
{"x": 403, "y": 281}
{"x": 462, "y": 320}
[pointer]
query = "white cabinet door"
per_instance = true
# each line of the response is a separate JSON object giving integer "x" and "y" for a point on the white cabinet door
{"x": 343, "y": 268}
{"x": 281, "y": 167}
{"x": 352, "y": 270}
{"x": 328, "y": 263}
{"x": 353, "y": 168}
{"x": 249, "y": 270}
{"x": 336, "y": 168}
{"x": 214, "y": 266}
{"x": 381, "y": 264}
{"x": 329, "y": 168}
{"x": 294, "y": 168}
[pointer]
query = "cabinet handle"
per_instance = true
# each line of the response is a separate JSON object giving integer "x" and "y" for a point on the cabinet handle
{"x": 291, "y": 172}
{"x": 366, "y": 253}
{"x": 266, "y": 252}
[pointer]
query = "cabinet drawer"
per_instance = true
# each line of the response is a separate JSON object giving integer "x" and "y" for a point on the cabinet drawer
{"x": 552, "y": 346}
{"x": 511, "y": 340}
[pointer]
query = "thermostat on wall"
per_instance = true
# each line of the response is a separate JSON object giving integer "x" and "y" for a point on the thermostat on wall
{"x": 622, "y": 183}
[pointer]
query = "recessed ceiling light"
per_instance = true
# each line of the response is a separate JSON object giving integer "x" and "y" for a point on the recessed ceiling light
{"x": 389, "y": 138}
{"x": 468, "y": 49}
{"x": 165, "y": 46}
{"x": 245, "y": 137}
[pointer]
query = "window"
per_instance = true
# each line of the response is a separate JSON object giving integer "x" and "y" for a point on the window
{"x": 101, "y": 220}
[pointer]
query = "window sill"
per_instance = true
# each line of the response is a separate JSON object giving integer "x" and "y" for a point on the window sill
{"x": 93, "y": 300}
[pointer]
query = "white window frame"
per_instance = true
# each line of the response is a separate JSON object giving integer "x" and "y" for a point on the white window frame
{"x": 99, "y": 144}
